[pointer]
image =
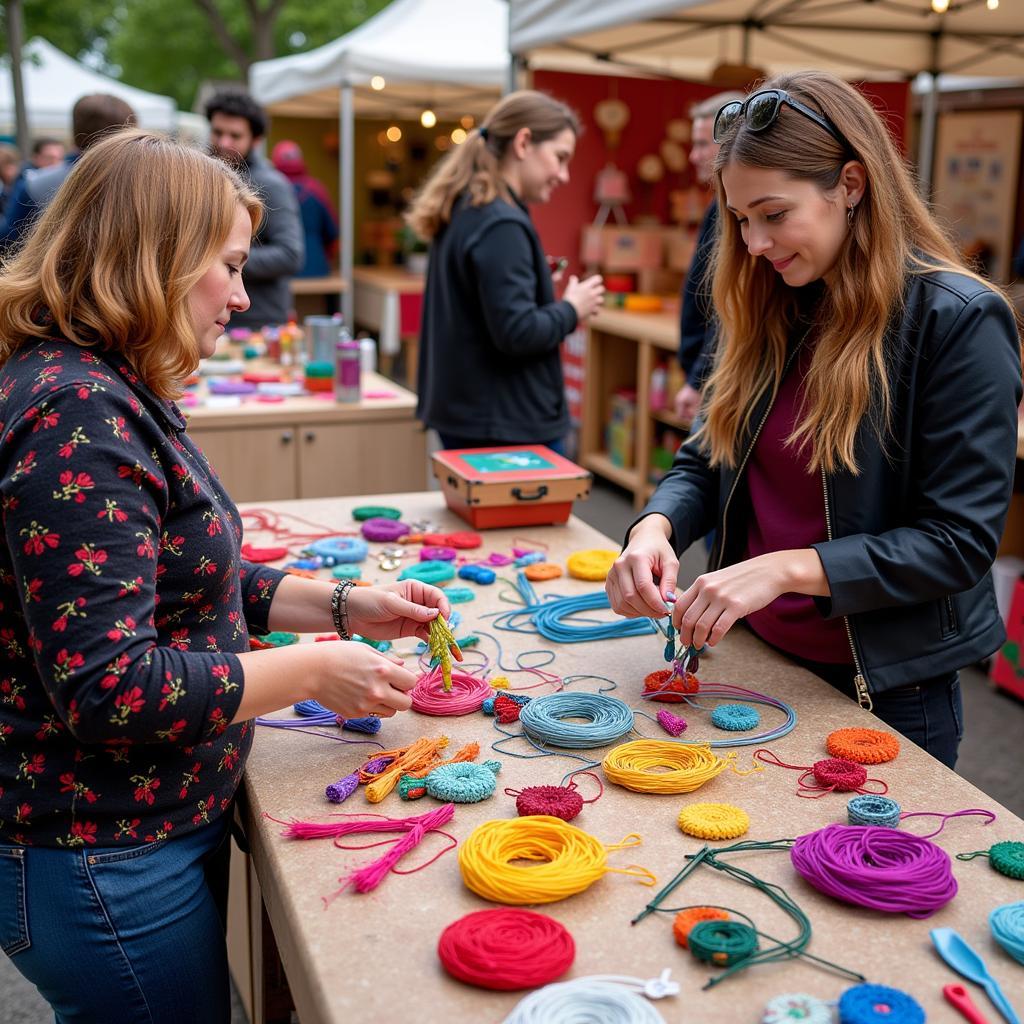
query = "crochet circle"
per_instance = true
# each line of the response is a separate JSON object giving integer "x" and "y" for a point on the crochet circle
{"x": 865, "y": 746}
{"x": 723, "y": 943}
{"x": 1008, "y": 859}
{"x": 463, "y": 782}
{"x": 339, "y": 550}
{"x": 364, "y": 512}
{"x": 686, "y": 920}
{"x": 735, "y": 717}
{"x": 661, "y": 766}
{"x": 786, "y": 1009}
{"x": 878, "y": 1004}
{"x": 593, "y": 565}
{"x": 383, "y": 529}
{"x": 839, "y": 774}
{"x": 541, "y": 571}
{"x": 713, "y": 821}
{"x": 556, "y": 801}
{"x": 873, "y": 810}
{"x": 506, "y": 949}
{"x": 429, "y": 572}
{"x": 1007, "y": 924}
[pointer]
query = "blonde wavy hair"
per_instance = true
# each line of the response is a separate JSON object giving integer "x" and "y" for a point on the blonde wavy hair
{"x": 113, "y": 257}
{"x": 474, "y": 167}
{"x": 893, "y": 235}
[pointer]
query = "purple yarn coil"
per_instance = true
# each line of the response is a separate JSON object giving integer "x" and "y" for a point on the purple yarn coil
{"x": 340, "y": 791}
{"x": 872, "y": 866}
{"x": 380, "y": 529}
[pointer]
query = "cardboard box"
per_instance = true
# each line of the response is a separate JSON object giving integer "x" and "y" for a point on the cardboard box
{"x": 525, "y": 485}
{"x": 679, "y": 248}
{"x": 628, "y": 249}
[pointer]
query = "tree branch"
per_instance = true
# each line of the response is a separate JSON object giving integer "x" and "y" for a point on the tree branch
{"x": 230, "y": 45}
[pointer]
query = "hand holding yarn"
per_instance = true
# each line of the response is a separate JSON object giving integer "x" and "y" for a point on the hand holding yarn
{"x": 354, "y": 680}
{"x": 631, "y": 587}
{"x": 395, "y": 610}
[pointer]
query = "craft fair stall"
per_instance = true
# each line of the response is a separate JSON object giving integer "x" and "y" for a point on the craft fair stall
{"x": 547, "y": 821}
{"x": 389, "y": 303}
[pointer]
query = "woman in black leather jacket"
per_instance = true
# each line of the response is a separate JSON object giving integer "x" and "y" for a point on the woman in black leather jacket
{"x": 857, "y": 446}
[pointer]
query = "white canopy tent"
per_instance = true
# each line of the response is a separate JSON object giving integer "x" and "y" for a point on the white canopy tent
{"x": 853, "y": 38}
{"x": 450, "y": 55}
{"x": 54, "y": 81}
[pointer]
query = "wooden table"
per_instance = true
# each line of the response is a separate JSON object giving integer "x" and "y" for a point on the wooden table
{"x": 312, "y": 446}
{"x": 388, "y": 301}
{"x": 373, "y": 956}
{"x": 309, "y": 294}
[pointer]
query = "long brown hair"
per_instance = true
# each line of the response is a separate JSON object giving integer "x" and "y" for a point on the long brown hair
{"x": 474, "y": 166}
{"x": 114, "y": 256}
{"x": 893, "y": 234}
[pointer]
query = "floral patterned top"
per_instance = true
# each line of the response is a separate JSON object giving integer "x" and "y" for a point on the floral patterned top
{"x": 123, "y": 604}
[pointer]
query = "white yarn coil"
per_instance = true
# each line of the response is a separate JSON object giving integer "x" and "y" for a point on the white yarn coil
{"x": 598, "y": 999}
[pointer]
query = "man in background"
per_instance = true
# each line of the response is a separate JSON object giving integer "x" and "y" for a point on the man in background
{"x": 696, "y": 318}
{"x": 237, "y": 126}
{"x": 45, "y": 153}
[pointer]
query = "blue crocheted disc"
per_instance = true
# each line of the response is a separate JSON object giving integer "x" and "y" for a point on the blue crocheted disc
{"x": 877, "y": 1004}
{"x": 873, "y": 810}
{"x": 463, "y": 782}
{"x": 735, "y": 717}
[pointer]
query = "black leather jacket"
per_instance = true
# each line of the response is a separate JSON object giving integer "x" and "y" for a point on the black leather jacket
{"x": 913, "y": 536}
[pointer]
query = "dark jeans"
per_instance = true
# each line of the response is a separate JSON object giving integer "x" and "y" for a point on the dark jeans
{"x": 929, "y": 713}
{"x": 453, "y": 441}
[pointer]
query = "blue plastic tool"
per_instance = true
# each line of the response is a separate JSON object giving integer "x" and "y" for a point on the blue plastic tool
{"x": 962, "y": 958}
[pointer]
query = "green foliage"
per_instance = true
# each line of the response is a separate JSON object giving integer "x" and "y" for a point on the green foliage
{"x": 74, "y": 26}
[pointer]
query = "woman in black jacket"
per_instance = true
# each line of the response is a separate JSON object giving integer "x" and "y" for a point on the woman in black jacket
{"x": 490, "y": 371}
{"x": 856, "y": 448}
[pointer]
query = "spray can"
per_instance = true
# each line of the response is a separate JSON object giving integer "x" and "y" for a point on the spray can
{"x": 346, "y": 370}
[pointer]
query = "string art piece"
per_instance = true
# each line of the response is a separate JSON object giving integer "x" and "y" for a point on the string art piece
{"x": 786, "y": 1009}
{"x": 529, "y": 558}
{"x": 881, "y": 868}
{"x": 563, "y": 802}
{"x": 560, "y": 860}
{"x": 1007, "y": 924}
{"x": 383, "y": 529}
{"x": 363, "y": 512}
{"x": 551, "y": 720}
{"x": 713, "y": 821}
{"x": 443, "y": 648}
{"x": 434, "y": 573}
{"x": 686, "y": 920}
{"x": 463, "y": 783}
{"x": 660, "y": 766}
{"x": 831, "y": 775}
{"x": 608, "y": 999}
{"x": 506, "y": 949}
{"x": 865, "y": 746}
{"x": 735, "y": 717}
{"x": 672, "y": 724}
{"x": 593, "y": 565}
{"x": 874, "y": 1004}
{"x": 1007, "y": 858}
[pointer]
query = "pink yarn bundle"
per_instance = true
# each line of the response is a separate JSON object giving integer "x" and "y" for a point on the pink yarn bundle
{"x": 467, "y": 694}
{"x": 672, "y": 724}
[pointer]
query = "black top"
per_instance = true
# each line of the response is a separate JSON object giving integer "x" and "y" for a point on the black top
{"x": 490, "y": 365}
{"x": 124, "y": 603}
{"x": 696, "y": 314}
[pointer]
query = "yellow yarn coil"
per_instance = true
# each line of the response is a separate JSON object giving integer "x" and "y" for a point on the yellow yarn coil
{"x": 565, "y": 860}
{"x": 658, "y": 766}
{"x": 713, "y": 821}
{"x": 594, "y": 564}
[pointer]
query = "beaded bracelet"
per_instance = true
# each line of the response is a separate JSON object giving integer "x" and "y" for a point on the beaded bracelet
{"x": 339, "y": 608}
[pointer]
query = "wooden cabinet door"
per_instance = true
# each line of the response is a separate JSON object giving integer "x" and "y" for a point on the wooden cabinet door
{"x": 376, "y": 457}
{"x": 254, "y": 463}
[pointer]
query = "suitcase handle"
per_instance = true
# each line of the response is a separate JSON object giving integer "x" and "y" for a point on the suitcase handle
{"x": 517, "y": 493}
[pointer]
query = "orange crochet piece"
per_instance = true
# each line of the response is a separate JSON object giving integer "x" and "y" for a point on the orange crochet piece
{"x": 543, "y": 571}
{"x": 865, "y": 746}
{"x": 686, "y": 920}
{"x": 658, "y": 687}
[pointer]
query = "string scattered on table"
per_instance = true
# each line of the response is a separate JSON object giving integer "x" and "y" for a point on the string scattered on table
{"x": 563, "y": 802}
{"x": 878, "y": 1004}
{"x": 1006, "y": 857}
{"x": 562, "y": 860}
{"x": 881, "y": 868}
{"x": 831, "y": 775}
{"x": 1007, "y": 924}
{"x": 661, "y": 766}
{"x": 599, "y": 999}
{"x": 713, "y": 821}
{"x": 886, "y": 813}
{"x": 506, "y": 949}
{"x": 865, "y": 746}
{"x": 467, "y": 694}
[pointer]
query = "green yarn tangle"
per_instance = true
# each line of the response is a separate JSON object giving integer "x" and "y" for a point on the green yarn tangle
{"x": 723, "y": 943}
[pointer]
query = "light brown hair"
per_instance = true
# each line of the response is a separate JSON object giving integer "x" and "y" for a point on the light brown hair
{"x": 113, "y": 257}
{"x": 892, "y": 235}
{"x": 474, "y": 166}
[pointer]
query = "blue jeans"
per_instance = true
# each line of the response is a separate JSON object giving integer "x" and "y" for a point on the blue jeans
{"x": 131, "y": 934}
{"x": 451, "y": 441}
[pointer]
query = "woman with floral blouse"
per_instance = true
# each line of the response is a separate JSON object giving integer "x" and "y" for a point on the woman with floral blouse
{"x": 127, "y": 688}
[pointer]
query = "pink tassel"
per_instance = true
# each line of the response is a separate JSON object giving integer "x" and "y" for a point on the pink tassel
{"x": 672, "y": 724}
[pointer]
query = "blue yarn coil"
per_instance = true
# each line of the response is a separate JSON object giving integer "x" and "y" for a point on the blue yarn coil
{"x": 1007, "y": 924}
{"x": 735, "y": 717}
{"x": 608, "y": 719}
{"x": 873, "y": 810}
{"x": 878, "y": 1004}
{"x": 463, "y": 782}
{"x": 339, "y": 549}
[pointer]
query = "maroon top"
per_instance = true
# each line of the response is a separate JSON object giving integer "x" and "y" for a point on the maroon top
{"x": 789, "y": 512}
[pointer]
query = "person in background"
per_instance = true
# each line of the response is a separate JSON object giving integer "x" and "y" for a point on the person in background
{"x": 92, "y": 118}
{"x": 237, "y": 127}
{"x": 490, "y": 369}
{"x": 696, "y": 316}
{"x": 10, "y": 168}
{"x": 319, "y": 221}
{"x": 46, "y": 153}
{"x": 857, "y": 445}
{"x": 127, "y": 686}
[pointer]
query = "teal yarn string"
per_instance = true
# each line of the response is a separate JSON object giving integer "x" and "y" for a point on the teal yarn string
{"x": 463, "y": 782}
{"x": 1007, "y": 924}
{"x": 873, "y": 810}
{"x": 735, "y": 717}
{"x": 546, "y": 720}
{"x": 722, "y": 943}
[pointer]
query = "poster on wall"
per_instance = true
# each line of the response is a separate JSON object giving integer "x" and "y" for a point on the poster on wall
{"x": 977, "y": 156}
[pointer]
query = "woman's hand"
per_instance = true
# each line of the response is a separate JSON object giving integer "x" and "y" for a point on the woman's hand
{"x": 709, "y": 608}
{"x": 395, "y": 610}
{"x": 631, "y": 586}
{"x": 585, "y": 296}
{"x": 355, "y": 680}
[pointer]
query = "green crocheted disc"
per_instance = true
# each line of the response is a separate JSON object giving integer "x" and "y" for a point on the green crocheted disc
{"x": 279, "y": 639}
{"x": 364, "y": 512}
{"x": 429, "y": 572}
{"x": 1008, "y": 859}
{"x": 347, "y": 571}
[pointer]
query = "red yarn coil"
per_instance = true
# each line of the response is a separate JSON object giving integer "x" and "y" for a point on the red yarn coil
{"x": 842, "y": 775}
{"x": 556, "y": 801}
{"x": 506, "y": 949}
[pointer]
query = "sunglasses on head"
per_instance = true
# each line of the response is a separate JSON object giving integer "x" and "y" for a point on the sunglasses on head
{"x": 761, "y": 111}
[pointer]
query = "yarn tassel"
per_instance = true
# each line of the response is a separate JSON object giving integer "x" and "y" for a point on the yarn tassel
{"x": 422, "y": 754}
{"x": 672, "y": 724}
{"x": 370, "y": 726}
{"x": 338, "y": 792}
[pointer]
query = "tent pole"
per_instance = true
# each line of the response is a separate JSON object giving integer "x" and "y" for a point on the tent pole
{"x": 346, "y": 189}
{"x": 926, "y": 146}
